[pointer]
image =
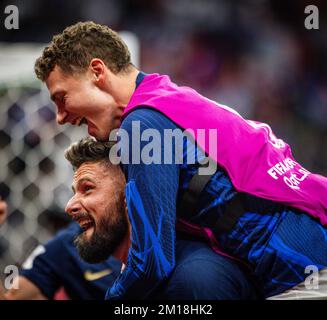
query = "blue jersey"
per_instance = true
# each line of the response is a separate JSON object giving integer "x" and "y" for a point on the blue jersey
{"x": 278, "y": 244}
{"x": 57, "y": 264}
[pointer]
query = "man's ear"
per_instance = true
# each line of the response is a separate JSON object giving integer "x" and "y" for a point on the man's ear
{"x": 98, "y": 71}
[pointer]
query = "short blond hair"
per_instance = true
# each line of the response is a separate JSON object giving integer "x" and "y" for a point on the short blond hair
{"x": 74, "y": 48}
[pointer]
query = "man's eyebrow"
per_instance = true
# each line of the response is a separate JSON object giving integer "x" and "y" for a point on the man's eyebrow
{"x": 86, "y": 179}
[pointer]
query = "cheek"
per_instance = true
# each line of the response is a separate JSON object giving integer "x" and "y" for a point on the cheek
{"x": 96, "y": 207}
{"x": 82, "y": 99}
{"x": 94, "y": 107}
{"x": 80, "y": 104}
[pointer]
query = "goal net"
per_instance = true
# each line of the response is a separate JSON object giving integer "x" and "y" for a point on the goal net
{"x": 35, "y": 179}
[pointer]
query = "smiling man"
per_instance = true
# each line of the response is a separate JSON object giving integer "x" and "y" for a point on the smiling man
{"x": 95, "y": 98}
{"x": 99, "y": 206}
{"x": 270, "y": 221}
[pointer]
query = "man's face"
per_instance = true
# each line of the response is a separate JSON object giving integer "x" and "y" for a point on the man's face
{"x": 80, "y": 100}
{"x": 98, "y": 206}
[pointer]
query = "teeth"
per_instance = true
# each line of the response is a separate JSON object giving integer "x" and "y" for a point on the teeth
{"x": 85, "y": 224}
{"x": 80, "y": 121}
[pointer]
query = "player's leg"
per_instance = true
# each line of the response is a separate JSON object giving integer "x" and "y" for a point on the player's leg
{"x": 200, "y": 273}
{"x": 306, "y": 290}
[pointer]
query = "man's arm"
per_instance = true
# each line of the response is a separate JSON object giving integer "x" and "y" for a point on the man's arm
{"x": 40, "y": 276}
{"x": 27, "y": 290}
{"x": 151, "y": 193}
{"x": 2, "y": 292}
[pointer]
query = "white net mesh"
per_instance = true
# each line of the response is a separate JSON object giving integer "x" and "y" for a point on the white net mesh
{"x": 35, "y": 178}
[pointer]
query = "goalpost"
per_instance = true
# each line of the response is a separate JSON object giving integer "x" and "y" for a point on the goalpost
{"x": 34, "y": 176}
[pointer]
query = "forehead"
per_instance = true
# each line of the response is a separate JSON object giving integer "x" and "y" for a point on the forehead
{"x": 94, "y": 171}
{"x": 58, "y": 80}
{"x": 56, "y": 77}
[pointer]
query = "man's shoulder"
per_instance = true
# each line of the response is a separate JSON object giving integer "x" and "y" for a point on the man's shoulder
{"x": 68, "y": 233}
{"x": 59, "y": 246}
{"x": 141, "y": 113}
{"x": 63, "y": 241}
{"x": 148, "y": 117}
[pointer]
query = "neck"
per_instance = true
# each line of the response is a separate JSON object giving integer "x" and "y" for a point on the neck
{"x": 121, "y": 253}
{"x": 122, "y": 87}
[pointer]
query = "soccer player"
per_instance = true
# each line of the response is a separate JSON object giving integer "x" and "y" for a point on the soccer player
{"x": 56, "y": 265}
{"x": 259, "y": 206}
{"x": 99, "y": 206}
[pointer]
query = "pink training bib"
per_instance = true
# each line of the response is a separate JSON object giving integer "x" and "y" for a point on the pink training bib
{"x": 256, "y": 161}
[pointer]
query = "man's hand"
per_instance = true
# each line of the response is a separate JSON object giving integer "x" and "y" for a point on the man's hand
{"x": 3, "y": 212}
{"x": 27, "y": 291}
{"x": 2, "y": 292}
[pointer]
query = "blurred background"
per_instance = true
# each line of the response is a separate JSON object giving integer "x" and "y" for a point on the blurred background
{"x": 255, "y": 56}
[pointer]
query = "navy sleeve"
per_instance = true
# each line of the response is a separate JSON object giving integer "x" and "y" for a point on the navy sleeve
{"x": 151, "y": 193}
{"x": 46, "y": 262}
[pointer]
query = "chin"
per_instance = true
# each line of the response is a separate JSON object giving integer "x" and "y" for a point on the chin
{"x": 89, "y": 233}
{"x": 98, "y": 136}
{"x": 101, "y": 139}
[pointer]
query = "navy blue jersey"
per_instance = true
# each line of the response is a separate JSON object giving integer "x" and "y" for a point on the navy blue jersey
{"x": 57, "y": 264}
{"x": 278, "y": 244}
{"x": 200, "y": 274}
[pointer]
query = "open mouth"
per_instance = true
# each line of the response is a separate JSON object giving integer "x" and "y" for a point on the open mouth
{"x": 85, "y": 223}
{"x": 83, "y": 121}
{"x": 80, "y": 121}
{"x": 91, "y": 129}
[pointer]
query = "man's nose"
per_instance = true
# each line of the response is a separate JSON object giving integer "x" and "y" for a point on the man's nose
{"x": 73, "y": 206}
{"x": 61, "y": 117}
